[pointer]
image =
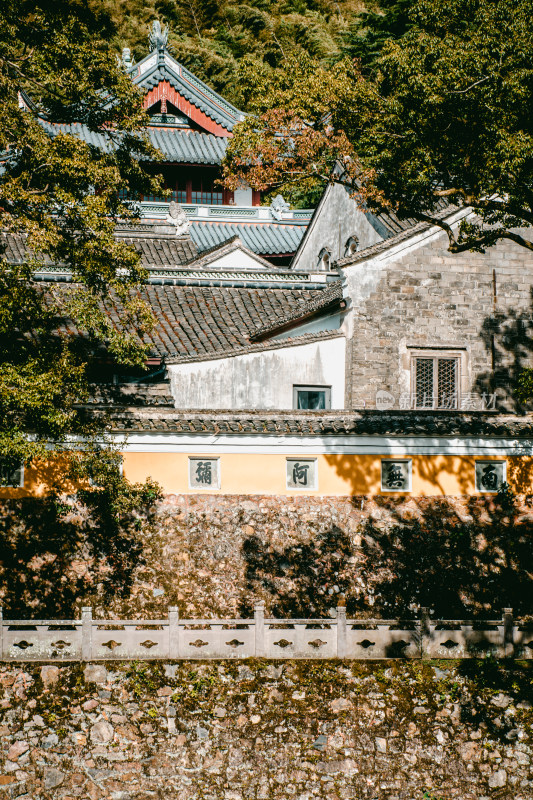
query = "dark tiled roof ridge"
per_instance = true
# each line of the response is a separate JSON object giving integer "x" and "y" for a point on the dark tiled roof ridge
{"x": 323, "y": 423}
{"x": 328, "y": 296}
{"x": 257, "y": 347}
{"x": 380, "y": 247}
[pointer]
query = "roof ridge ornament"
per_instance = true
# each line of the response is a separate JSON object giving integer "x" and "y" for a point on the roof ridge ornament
{"x": 127, "y": 60}
{"x": 158, "y": 37}
{"x": 279, "y": 206}
{"x": 177, "y": 218}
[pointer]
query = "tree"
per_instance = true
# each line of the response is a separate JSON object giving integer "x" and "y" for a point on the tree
{"x": 447, "y": 115}
{"x": 62, "y": 196}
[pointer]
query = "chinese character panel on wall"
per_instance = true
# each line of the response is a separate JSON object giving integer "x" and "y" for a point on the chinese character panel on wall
{"x": 490, "y": 475}
{"x": 11, "y": 473}
{"x": 301, "y": 473}
{"x": 396, "y": 475}
{"x": 204, "y": 473}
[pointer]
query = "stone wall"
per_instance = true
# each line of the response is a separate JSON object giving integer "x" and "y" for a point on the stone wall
{"x": 428, "y": 297}
{"x": 298, "y": 731}
{"x": 216, "y": 556}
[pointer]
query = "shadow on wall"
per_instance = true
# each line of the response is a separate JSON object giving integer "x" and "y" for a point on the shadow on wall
{"x": 61, "y": 551}
{"x": 462, "y": 557}
{"x": 508, "y": 340}
{"x": 300, "y": 580}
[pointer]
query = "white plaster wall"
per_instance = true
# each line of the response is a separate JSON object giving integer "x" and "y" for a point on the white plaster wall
{"x": 260, "y": 380}
{"x": 329, "y": 323}
{"x": 237, "y": 259}
{"x": 337, "y": 219}
{"x": 243, "y": 197}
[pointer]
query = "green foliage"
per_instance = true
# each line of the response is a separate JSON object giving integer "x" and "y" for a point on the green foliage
{"x": 144, "y": 678}
{"x": 211, "y": 37}
{"x": 524, "y": 389}
{"x": 102, "y": 526}
{"x": 369, "y": 31}
{"x": 449, "y": 117}
{"x": 445, "y": 115}
{"x": 62, "y": 196}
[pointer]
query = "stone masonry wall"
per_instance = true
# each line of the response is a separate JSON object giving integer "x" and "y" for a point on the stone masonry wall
{"x": 216, "y": 556}
{"x": 258, "y": 731}
{"x": 429, "y": 297}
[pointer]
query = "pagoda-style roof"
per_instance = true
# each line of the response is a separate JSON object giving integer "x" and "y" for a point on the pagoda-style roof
{"x": 178, "y": 146}
{"x": 163, "y": 78}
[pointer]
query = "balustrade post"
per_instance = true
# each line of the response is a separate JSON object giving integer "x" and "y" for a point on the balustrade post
{"x": 173, "y": 632}
{"x": 341, "y": 631}
{"x": 508, "y": 632}
{"x": 86, "y": 633}
{"x": 259, "y": 624}
{"x": 425, "y": 631}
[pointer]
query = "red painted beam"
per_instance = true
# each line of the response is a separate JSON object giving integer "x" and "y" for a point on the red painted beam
{"x": 164, "y": 90}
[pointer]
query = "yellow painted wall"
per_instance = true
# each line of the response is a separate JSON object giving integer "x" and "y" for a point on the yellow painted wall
{"x": 258, "y": 473}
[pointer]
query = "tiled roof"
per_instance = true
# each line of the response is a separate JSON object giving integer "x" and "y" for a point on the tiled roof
{"x": 202, "y": 320}
{"x": 156, "y": 249}
{"x": 197, "y": 321}
{"x": 163, "y": 250}
{"x": 331, "y": 296}
{"x": 185, "y": 146}
{"x": 402, "y": 236}
{"x": 151, "y": 71}
{"x": 265, "y": 238}
{"x": 189, "y": 147}
{"x": 324, "y": 423}
{"x": 259, "y": 347}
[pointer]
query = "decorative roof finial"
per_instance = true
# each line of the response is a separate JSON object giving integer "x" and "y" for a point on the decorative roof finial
{"x": 127, "y": 60}
{"x": 158, "y": 37}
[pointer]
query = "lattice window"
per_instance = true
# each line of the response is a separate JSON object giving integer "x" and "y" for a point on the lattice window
{"x": 447, "y": 382}
{"x": 424, "y": 382}
{"x": 436, "y": 382}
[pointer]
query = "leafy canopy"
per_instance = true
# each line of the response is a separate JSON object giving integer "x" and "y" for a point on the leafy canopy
{"x": 61, "y": 196}
{"x": 445, "y": 114}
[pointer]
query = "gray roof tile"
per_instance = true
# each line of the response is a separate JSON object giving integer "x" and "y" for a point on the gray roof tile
{"x": 184, "y": 146}
{"x": 265, "y": 238}
{"x": 324, "y": 423}
{"x": 328, "y": 297}
{"x": 199, "y": 321}
{"x": 156, "y": 250}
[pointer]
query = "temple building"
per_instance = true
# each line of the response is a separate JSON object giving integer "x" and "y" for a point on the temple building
{"x": 324, "y": 352}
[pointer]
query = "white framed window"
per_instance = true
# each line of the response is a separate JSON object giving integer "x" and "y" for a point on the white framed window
{"x": 490, "y": 476}
{"x": 435, "y": 380}
{"x": 204, "y": 473}
{"x": 396, "y": 474}
{"x": 312, "y": 398}
{"x": 11, "y": 475}
{"x": 301, "y": 473}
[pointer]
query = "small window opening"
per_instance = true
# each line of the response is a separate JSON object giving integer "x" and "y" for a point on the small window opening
{"x": 11, "y": 473}
{"x": 351, "y": 246}
{"x": 312, "y": 398}
{"x": 324, "y": 260}
{"x": 436, "y": 382}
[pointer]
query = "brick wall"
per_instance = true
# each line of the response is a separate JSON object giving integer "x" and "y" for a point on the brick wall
{"x": 480, "y": 303}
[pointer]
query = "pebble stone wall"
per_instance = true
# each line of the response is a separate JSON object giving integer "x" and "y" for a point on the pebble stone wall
{"x": 266, "y": 731}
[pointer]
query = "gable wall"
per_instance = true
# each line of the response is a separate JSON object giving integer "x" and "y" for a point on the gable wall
{"x": 337, "y": 218}
{"x": 429, "y": 297}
